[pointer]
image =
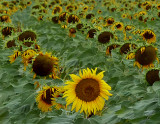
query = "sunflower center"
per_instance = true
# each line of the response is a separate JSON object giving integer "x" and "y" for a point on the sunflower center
{"x": 118, "y": 26}
{"x": 104, "y": 37}
{"x": 47, "y": 99}
{"x": 87, "y": 90}
{"x": 148, "y": 35}
{"x": 42, "y": 65}
{"x": 147, "y": 57}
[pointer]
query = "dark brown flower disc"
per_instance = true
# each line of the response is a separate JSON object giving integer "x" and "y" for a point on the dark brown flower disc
{"x": 152, "y": 76}
{"x": 79, "y": 26}
{"x": 148, "y": 56}
{"x": 73, "y": 19}
{"x": 87, "y": 90}
{"x": 111, "y": 47}
{"x": 89, "y": 16}
{"x": 148, "y": 35}
{"x": 7, "y": 31}
{"x": 91, "y": 33}
{"x": 63, "y": 17}
{"x": 127, "y": 47}
{"x": 26, "y": 35}
{"x": 104, "y": 37}
{"x": 48, "y": 97}
{"x": 72, "y": 30}
{"x": 55, "y": 19}
{"x": 11, "y": 43}
{"x": 43, "y": 65}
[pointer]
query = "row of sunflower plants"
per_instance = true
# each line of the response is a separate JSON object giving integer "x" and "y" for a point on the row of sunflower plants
{"x": 80, "y": 62}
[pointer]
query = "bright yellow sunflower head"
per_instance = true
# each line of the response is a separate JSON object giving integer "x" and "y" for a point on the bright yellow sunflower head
{"x": 45, "y": 65}
{"x": 87, "y": 91}
{"x": 46, "y": 98}
{"x": 149, "y": 36}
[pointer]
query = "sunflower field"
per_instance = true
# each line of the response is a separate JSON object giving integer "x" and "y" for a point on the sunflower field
{"x": 79, "y": 62}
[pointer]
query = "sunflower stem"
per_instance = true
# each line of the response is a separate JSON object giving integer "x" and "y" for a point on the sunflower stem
{"x": 85, "y": 115}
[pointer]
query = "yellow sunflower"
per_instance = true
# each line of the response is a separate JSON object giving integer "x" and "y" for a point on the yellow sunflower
{"x": 149, "y": 36}
{"x": 87, "y": 91}
{"x": 5, "y": 18}
{"x": 46, "y": 98}
{"x": 57, "y": 9}
{"x": 14, "y": 56}
{"x": 27, "y": 57}
{"x": 45, "y": 65}
{"x": 145, "y": 56}
{"x": 118, "y": 26}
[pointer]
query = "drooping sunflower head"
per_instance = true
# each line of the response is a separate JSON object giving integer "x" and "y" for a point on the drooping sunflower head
{"x": 26, "y": 35}
{"x": 89, "y": 16}
{"x": 149, "y": 36}
{"x": 28, "y": 56}
{"x": 73, "y": 19}
{"x": 46, "y": 98}
{"x": 79, "y": 26}
{"x": 110, "y": 48}
{"x": 57, "y": 9}
{"x": 72, "y": 32}
{"x": 152, "y": 76}
{"x": 145, "y": 56}
{"x": 7, "y": 31}
{"x": 10, "y": 42}
{"x": 63, "y": 17}
{"x": 87, "y": 91}
{"x": 5, "y": 18}
{"x": 45, "y": 64}
{"x": 129, "y": 27}
{"x": 55, "y": 19}
{"x": 127, "y": 47}
{"x": 14, "y": 56}
{"x": 91, "y": 33}
{"x": 70, "y": 8}
{"x": 104, "y": 37}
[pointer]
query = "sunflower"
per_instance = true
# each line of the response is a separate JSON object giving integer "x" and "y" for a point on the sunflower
{"x": 87, "y": 91}
{"x": 149, "y": 36}
{"x": 46, "y": 98}
{"x": 104, "y": 37}
{"x": 73, "y": 19}
{"x": 55, "y": 19}
{"x": 152, "y": 76}
{"x": 10, "y": 43}
{"x": 70, "y": 8}
{"x": 79, "y": 26}
{"x": 145, "y": 56}
{"x": 27, "y": 35}
{"x": 45, "y": 64}
{"x": 110, "y": 48}
{"x": 14, "y": 56}
{"x": 63, "y": 17}
{"x": 158, "y": 6}
{"x": 7, "y": 31}
{"x": 125, "y": 48}
{"x": 118, "y": 26}
{"x": 89, "y": 16}
{"x": 27, "y": 57}
{"x": 5, "y": 18}
{"x": 85, "y": 8}
{"x": 91, "y": 33}
{"x": 57, "y": 9}
{"x": 109, "y": 21}
{"x": 72, "y": 32}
